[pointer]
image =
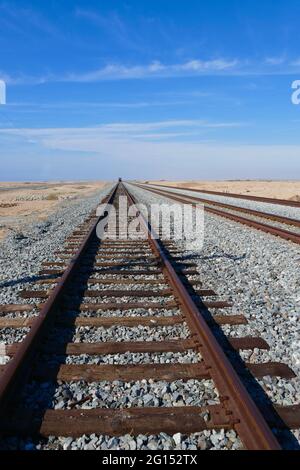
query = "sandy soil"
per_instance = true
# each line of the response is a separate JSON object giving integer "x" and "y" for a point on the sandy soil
{"x": 22, "y": 203}
{"x": 275, "y": 189}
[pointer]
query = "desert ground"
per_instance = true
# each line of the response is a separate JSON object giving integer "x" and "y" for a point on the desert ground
{"x": 275, "y": 189}
{"x": 25, "y": 202}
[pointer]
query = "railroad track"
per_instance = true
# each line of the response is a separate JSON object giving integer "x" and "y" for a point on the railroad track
{"x": 144, "y": 288}
{"x": 232, "y": 212}
{"x": 269, "y": 200}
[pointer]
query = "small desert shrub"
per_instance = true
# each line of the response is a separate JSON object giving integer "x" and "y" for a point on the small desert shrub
{"x": 295, "y": 198}
{"x": 52, "y": 197}
{"x": 6, "y": 205}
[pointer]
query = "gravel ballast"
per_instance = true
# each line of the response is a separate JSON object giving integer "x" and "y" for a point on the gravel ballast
{"x": 118, "y": 333}
{"x": 260, "y": 274}
{"x": 277, "y": 209}
{"x": 205, "y": 440}
{"x": 235, "y": 262}
{"x": 120, "y": 394}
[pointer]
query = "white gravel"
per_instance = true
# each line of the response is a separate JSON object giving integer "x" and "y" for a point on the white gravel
{"x": 257, "y": 271}
{"x": 120, "y": 394}
{"x": 260, "y": 274}
{"x": 133, "y": 312}
{"x": 278, "y": 209}
{"x": 188, "y": 357}
{"x": 118, "y": 333}
{"x": 12, "y": 335}
{"x": 205, "y": 440}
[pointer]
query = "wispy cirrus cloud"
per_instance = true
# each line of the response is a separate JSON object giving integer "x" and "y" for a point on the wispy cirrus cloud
{"x": 275, "y": 60}
{"x": 119, "y": 131}
{"x": 154, "y": 69}
{"x": 80, "y": 106}
{"x": 157, "y": 69}
{"x": 171, "y": 124}
{"x": 296, "y": 62}
{"x": 152, "y": 149}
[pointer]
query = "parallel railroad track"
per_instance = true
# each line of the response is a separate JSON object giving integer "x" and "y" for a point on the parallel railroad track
{"x": 94, "y": 285}
{"x": 269, "y": 200}
{"x": 214, "y": 208}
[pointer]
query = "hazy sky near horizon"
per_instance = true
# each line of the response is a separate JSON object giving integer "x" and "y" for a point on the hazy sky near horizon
{"x": 149, "y": 89}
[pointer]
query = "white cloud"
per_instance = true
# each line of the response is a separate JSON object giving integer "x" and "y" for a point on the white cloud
{"x": 102, "y": 104}
{"x": 112, "y": 71}
{"x": 153, "y": 150}
{"x": 149, "y": 126}
{"x": 2, "y": 92}
{"x": 154, "y": 69}
{"x": 274, "y": 60}
{"x": 296, "y": 63}
{"x": 202, "y": 66}
{"x": 92, "y": 138}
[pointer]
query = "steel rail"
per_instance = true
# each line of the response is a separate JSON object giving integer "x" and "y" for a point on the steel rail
{"x": 269, "y": 200}
{"x": 16, "y": 369}
{"x": 243, "y": 414}
{"x": 273, "y": 230}
{"x": 256, "y": 213}
{"x": 247, "y": 419}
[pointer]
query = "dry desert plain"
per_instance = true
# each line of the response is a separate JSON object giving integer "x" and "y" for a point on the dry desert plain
{"x": 26, "y": 202}
{"x": 274, "y": 189}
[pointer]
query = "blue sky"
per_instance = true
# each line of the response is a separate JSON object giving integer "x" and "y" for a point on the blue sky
{"x": 149, "y": 89}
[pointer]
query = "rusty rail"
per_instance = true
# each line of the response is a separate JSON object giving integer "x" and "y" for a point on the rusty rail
{"x": 273, "y": 230}
{"x": 269, "y": 200}
{"x": 247, "y": 419}
{"x": 237, "y": 409}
